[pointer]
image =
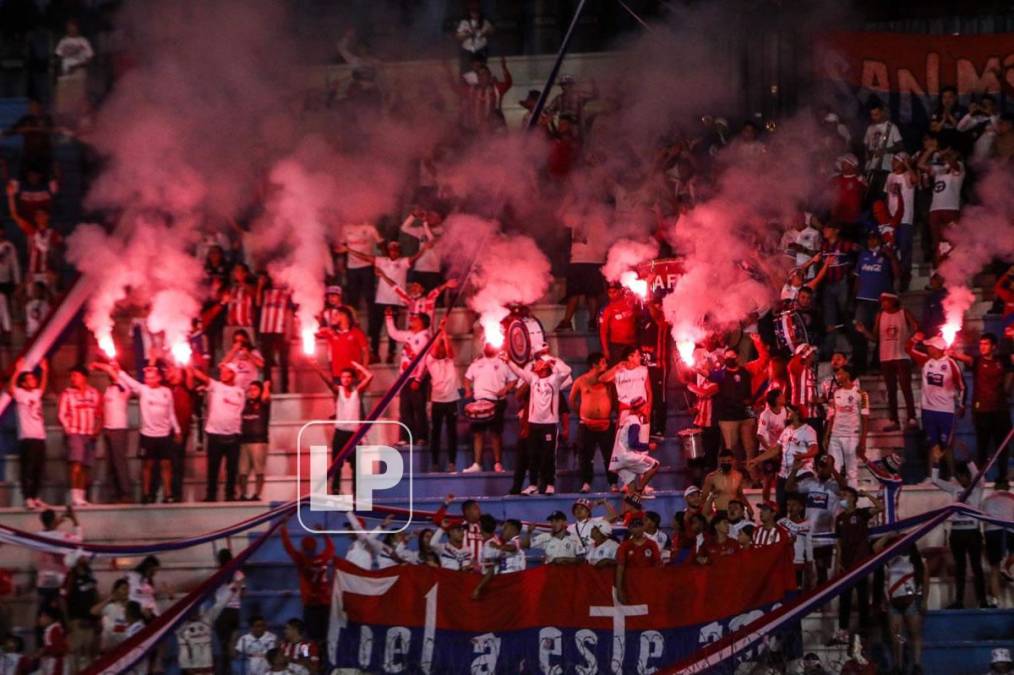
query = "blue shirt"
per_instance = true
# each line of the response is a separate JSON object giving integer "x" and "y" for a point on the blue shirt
{"x": 875, "y": 275}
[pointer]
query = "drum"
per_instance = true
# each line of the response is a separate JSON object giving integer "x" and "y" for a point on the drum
{"x": 692, "y": 442}
{"x": 482, "y": 410}
{"x": 661, "y": 275}
{"x": 790, "y": 331}
{"x": 525, "y": 338}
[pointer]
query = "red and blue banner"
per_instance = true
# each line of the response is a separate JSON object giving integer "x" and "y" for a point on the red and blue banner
{"x": 550, "y": 619}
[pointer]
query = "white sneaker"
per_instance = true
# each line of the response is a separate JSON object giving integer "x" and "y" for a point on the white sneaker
{"x": 529, "y": 491}
{"x": 498, "y": 467}
{"x": 550, "y": 490}
{"x": 472, "y": 469}
{"x": 585, "y": 489}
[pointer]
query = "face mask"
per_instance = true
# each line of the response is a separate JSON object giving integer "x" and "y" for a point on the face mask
{"x": 727, "y": 468}
{"x": 731, "y": 363}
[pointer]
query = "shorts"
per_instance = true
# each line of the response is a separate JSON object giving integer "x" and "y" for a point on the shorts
{"x": 81, "y": 449}
{"x": 155, "y": 448}
{"x": 998, "y": 543}
{"x": 905, "y": 605}
{"x": 937, "y": 426}
{"x": 584, "y": 279}
{"x": 494, "y": 425}
{"x": 630, "y": 465}
{"x": 252, "y": 456}
{"x": 822, "y": 556}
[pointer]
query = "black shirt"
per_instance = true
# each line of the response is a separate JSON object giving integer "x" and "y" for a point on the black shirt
{"x": 256, "y": 415}
{"x": 733, "y": 395}
{"x": 81, "y": 592}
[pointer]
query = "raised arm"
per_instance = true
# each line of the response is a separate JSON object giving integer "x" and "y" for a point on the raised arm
{"x": 199, "y": 375}
{"x": 12, "y": 205}
{"x": 365, "y": 373}
{"x": 44, "y": 375}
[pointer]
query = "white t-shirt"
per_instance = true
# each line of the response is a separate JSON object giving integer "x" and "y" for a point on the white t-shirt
{"x": 544, "y": 394}
{"x": 808, "y": 238}
{"x": 567, "y": 546}
{"x": 360, "y": 553}
{"x": 30, "y": 420}
{"x": 907, "y": 196}
{"x": 252, "y": 650}
{"x": 770, "y": 424}
{"x": 894, "y": 334}
{"x": 821, "y": 506}
{"x": 631, "y": 383}
{"x": 397, "y": 269}
{"x": 1000, "y": 505}
{"x": 158, "y": 414}
{"x": 488, "y": 376}
{"x": 604, "y": 551}
{"x": 582, "y": 530}
{"x": 246, "y": 370}
{"x": 225, "y": 408}
{"x": 444, "y": 382}
{"x": 802, "y": 542}
{"x": 796, "y": 442}
{"x": 362, "y": 239}
{"x": 114, "y": 407}
{"x": 114, "y": 625}
{"x": 947, "y": 189}
{"x": 429, "y": 261}
{"x": 939, "y": 385}
{"x": 874, "y": 141}
{"x": 230, "y": 595}
{"x": 848, "y": 406}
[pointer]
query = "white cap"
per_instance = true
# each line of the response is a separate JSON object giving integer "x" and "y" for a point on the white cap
{"x": 936, "y": 341}
{"x": 604, "y": 528}
{"x": 1000, "y": 655}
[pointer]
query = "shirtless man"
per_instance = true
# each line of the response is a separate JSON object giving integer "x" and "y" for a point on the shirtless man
{"x": 724, "y": 485}
{"x": 596, "y": 428}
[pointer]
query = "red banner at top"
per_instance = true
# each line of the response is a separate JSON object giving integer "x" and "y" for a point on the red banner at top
{"x": 919, "y": 65}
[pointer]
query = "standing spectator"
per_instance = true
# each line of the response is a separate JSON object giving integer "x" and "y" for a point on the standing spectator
{"x": 906, "y": 594}
{"x": 561, "y": 547}
{"x": 36, "y": 130}
{"x": 596, "y": 427}
{"x": 796, "y": 445}
{"x": 637, "y": 552}
{"x": 10, "y": 280}
{"x": 301, "y": 655}
{"x": 892, "y": 328}
{"x": 445, "y": 388}
{"x": 629, "y": 378}
{"x": 732, "y": 408}
{"x": 990, "y": 410}
{"x": 141, "y": 589}
{"x": 362, "y": 239}
{"x": 848, "y": 424}
{"x": 471, "y": 514}
{"x": 545, "y": 381}
{"x": 426, "y": 225}
{"x": 722, "y": 543}
{"x": 240, "y": 309}
{"x": 111, "y": 613}
{"x": 417, "y": 300}
{"x": 44, "y": 243}
{"x": 37, "y": 308}
{"x": 822, "y": 491}
{"x": 181, "y": 382}
{"x": 348, "y": 389}
{"x": 769, "y": 532}
{"x": 75, "y": 53}
{"x": 852, "y": 526}
{"x": 602, "y": 548}
{"x": 473, "y": 33}
{"x": 253, "y": 440}
{"x": 79, "y": 595}
{"x": 51, "y": 568}
{"x": 252, "y": 648}
{"x": 881, "y": 141}
{"x": 114, "y": 429}
{"x": 933, "y": 305}
{"x": 228, "y": 600}
{"x": 876, "y": 270}
{"x": 965, "y": 540}
{"x": 488, "y": 379}
{"x": 53, "y": 653}
{"x": 571, "y": 102}
{"x": 27, "y": 390}
{"x": 412, "y": 400}
{"x": 947, "y": 177}
{"x": 900, "y": 188}
{"x": 848, "y": 193}
{"x": 159, "y": 428}
{"x": 396, "y": 268}
{"x": 80, "y": 413}
{"x": 314, "y": 582}
{"x": 224, "y": 424}
{"x": 798, "y": 525}
{"x": 943, "y": 389}
{"x": 346, "y": 342}
{"x": 770, "y": 423}
{"x": 244, "y": 360}
{"x": 999, "y": 542}
{"x": 723, "y": 485}
{"x": 838, "y": 256}
{"x": 583, "y": 276}
{"x": 275, "y": 303}
{"x": 618, "y": 325}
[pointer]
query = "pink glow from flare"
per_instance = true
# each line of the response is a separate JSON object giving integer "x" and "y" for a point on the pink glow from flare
{"x": 181, "y": 352}
{"x": 949, "y": 331}
{"x": 638, "y": 287}
{"x": 686, "y": 351}
{"x": 309, "y": 341}
{"x": 493, "y": 331}
{"x": 107, "y": 346}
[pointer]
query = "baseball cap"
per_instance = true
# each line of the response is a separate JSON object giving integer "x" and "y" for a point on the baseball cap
{"x": 1000, "y": 655}
{"x": 581, "y": 502}
{"x": 557, "y": 515}
{"x": 889, "y": 294}
{"x": 693, "y": 489}
{"x": 636, "y": 520}
{"x": 333, "y": 289}
{"x": 604, "y": 528}
{"x": 937, "y": 342}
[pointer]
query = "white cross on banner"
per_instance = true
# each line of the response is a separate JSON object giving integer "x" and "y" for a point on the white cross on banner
{"x": 619, "y": 613}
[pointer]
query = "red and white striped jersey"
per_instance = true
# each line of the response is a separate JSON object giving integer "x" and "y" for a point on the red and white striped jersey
{"x": 42, "y": 250}
{"x": 54, "y": 659}
{"x": 275, "y": 310}
{"x": 241, "y": 307}
{"x": 79, "y": 410}
{"x": 424, "y": 304}
{"x": 705, "y": 407}
{"x": 766, "y": 536}
{"x": 803, "y": 383}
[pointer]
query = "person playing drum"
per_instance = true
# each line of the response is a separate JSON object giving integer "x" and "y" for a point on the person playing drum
{"x": 488, "y": 378}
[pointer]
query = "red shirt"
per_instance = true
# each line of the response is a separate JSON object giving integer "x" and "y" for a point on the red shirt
{"x": 346, "y": 347}
{"x": 618, "y": 324}
{"x": 715, "y": 550}
{"x": 848, "y": 199}
{"x": 314, "y": 577}
{"x": 306, "y": 650}
{"x": 645, "y": 554}
{"x": 988, "y": 393}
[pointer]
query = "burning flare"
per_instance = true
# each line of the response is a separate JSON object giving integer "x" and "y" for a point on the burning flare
{"x": 107, "y": 346}
{"x": 309, "y": 339}
{"x": 949, "y": 331}
{"x": 631, "y": 282}
{"x": 686, "y": 351}
{"x": 181, "y": 352}
{"x": 492, "y": 331}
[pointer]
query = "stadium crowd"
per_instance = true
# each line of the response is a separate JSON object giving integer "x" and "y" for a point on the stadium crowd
{"x": 767, "y": 418}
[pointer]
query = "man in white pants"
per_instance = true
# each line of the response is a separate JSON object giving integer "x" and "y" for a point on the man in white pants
{"x": 849, "y": 415}
{"x": 630, "y": 461}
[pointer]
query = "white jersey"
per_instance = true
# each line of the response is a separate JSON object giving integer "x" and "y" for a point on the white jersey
{"x": 503, "y": 562}
{"x": 796, "y": 442}
{"x": 901, "y": 581}
{"x": 225, "y": 408}
{"x": 904, "y": 200}
{"x": 893, "y": 336}
{"x": 802, "y": 542}
{"x": 807, "y": 238}
{"x": 582, "y": 530}
{"x": 877, "y": 139}
{"x": 114, "y": 407}
{"x": 397, "y": 270}
{"x": 544, "y": 394}
{"x": 631, "y": 384}
{"x": 947, "y": 189}
{"x": 252, "y": 650}
{"x": 360, "y": 552}
{"x": 195, "y": 651}
{"x": 848, "y": 407}
{"x": 604, "y": 551}
{"x": 158, "y": 413}
{"x": 822, "y": 506}
{"x": 29, "y": 409}
{"x": 556, "y": 547}
{"x": 347, "y": 407}
{"x": 770, "y": 425}
{"x": 451, "y": 557}
{"x": 444, "y": 382}
{"x": 941, "y": 385}
{"x": 246, "y": 370}
{"x": 488, "y": 376}
{"x": 362, "y": 239}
